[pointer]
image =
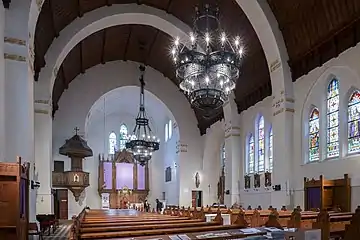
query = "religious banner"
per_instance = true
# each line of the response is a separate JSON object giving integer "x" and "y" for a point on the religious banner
{"x": 247, "y": 181}
{"x": 268, "y": 179}
{"x": 256, "y": 180}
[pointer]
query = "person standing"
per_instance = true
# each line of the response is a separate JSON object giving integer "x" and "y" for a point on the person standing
{"x": 159, "y": 206}
{"x": 146, "y": 206}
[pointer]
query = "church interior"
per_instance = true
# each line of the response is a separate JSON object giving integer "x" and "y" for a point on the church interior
{"x": 179, "y": 119}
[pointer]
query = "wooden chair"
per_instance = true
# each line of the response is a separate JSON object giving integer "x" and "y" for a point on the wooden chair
{"x": 34, "y": 231}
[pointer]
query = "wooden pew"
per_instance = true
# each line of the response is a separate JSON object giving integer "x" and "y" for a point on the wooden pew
{"x": 117, "y": 231}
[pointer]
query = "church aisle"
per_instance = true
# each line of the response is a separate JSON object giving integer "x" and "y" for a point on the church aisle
{"x": 61, "y": 233}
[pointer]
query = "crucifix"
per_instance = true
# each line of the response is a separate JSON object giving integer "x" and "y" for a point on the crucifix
{"x": 76, "y": 130}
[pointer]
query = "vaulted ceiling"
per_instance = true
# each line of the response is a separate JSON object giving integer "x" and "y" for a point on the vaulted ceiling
{"x": 314, "y": 32}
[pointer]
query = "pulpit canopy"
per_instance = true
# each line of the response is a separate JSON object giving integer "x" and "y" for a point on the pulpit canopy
{"x": 76, "y": 146}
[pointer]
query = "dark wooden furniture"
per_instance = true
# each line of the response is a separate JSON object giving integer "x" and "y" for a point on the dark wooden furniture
{"x": 14, "y": 200}
{"x": 34, "y": 231}
{"x": 327, "y": 194}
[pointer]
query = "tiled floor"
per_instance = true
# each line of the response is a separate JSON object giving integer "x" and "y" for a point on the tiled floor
{"x": 62, "y": 233}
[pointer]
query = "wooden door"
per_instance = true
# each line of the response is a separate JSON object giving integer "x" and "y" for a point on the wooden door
{"x": 193, "y": 199}
{"x": 63, "y": 203}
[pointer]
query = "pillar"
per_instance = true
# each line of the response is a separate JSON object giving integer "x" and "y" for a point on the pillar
{"x": 283, "y": 128}
{"x": 2, "y": 85}
{"x": 233, "y": 164}
{"x": 43, "y": 153}
{"x": 19, "y": 92}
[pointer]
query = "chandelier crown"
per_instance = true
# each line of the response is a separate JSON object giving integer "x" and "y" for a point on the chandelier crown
{"x": 208, "y": 64}
{"x": 142, "y": 142}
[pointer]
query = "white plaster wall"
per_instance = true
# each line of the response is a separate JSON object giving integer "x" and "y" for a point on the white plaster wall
{"x": 309, "y": 90}
{"x": 213, "y": 141}
{"x": 171, "y": 188}
{"x": 77, "y": 101}
{"x": 248, "y": 123}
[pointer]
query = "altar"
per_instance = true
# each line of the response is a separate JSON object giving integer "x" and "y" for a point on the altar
{"x": 122, "y": 182}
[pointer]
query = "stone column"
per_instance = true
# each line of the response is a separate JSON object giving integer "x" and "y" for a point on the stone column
{"x": 233, "y": 166}
{"x": 19, "y": 91}
{"x": 43, "y": 153}
{"x": 2, "y": 85}
{"x": 282, "y": 124}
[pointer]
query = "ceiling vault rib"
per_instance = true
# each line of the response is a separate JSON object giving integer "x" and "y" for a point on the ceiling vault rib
{"x": 127, "y": 44}
{"x": 103, "y": 47}
{"x": 82, "y": 70}
{"x": 53, "y": 19}
{"x": 65, "y": 81}
{"x": 151, "y": 47}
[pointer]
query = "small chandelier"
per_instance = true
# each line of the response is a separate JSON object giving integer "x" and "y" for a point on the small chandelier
{"x": 142, "y": 142}
{"x": 207, "y": 76}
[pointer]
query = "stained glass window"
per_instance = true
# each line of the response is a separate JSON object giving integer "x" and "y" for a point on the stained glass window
{"x": 314, "y": 131}
{"x": 261, "y": 151}
{"x": 112, "y": 143}
{"x": 270, "y": 150}
{"x": 223, "y": 156}
{"x": 333, "y": 119}
{"x": 170, "y": 129}
{"x": 354, "y": 122}
{"x": 123, "y": 136}
{"x": 166, "y": 132}
{"x": 251, "y": 157}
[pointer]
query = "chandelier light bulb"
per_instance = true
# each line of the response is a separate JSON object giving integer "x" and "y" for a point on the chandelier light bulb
{"x": 173, "y": 51}
{"x": 192, "y": 38}
{"x": 207, "y": 80}
{"x": 207, "y": 38}
{"x": 221, "y": 83}
{"x": 177, "y": 41}
{"x": 241, "y": 51}
{"x": 223, "y": 38}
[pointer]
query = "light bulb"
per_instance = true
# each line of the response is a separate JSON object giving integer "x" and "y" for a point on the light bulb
{"x": 241, "y": 51}
{"x": 237, "y": 42}
{"x": 153, "y": 137}
{"x": 207, "y": 38}
{"x": 192, "y": 38}
{"x": 173, "y": 51}
{"x": 143, "y": 135}
{"x": 207, "y": 80}
{"x": 148, "y": 136}
{"x": 223, "y": 38}
{"x": 221, "y": 82}
{"x": 177, "y": 40}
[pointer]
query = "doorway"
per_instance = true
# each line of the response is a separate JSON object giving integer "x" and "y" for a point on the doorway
{"x": 61, "y": 203}
{"x": 196, "y": 198}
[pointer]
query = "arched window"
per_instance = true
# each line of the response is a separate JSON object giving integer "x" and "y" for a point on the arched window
{"x": 314, "y": 131}
{"x": 223, "y": 156}
{"x": 112, "y": 143}
{"x": 123, "y": 136}
{"x": 261, "y": 151}
{"x": 354, "y": 122}
{"x": 170, "y": 129}
{"x": 333, "y": 119}
{"x": 251, "y": 156}
{"x": 166, "y": 132}
{"x": 270, "y": 167}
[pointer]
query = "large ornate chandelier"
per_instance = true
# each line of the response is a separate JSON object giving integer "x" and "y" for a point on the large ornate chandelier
{"x": 142, "y": 142}
{"x": 208, "y": 65}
